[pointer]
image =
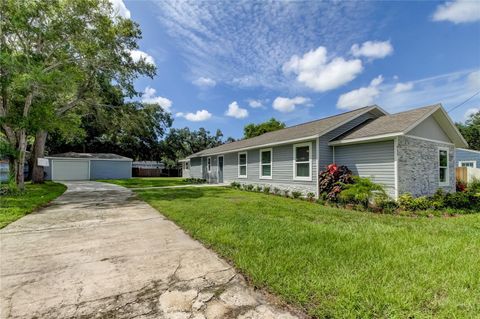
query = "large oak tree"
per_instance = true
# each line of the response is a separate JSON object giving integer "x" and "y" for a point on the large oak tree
{"x": 54, "y": 57}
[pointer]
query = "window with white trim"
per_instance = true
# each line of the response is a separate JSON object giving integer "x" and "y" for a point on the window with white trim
{"x": 467, "y": 164}
{"x": 242, "y": 165}
{"x": 302, "y": 161}
{"x": 266, "y": 163}
{"x": 209, "y": 164}
{"x": 443, "y": 174}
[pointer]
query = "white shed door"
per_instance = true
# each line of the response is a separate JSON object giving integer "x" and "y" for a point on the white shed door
{"x": 70, "y": 170}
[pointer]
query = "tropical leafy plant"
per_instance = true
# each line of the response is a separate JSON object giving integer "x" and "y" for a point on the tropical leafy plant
{"x": 362, "y": 191}
{"x": 332, "y": 181}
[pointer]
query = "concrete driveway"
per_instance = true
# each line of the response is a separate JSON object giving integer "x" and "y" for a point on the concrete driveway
{"x": 98, "y": 252}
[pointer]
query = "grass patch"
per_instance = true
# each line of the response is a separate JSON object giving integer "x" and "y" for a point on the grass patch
{"x": 336, "y": 263}
{"x": 13, "y": 207}
{"x": 136, "y": 182}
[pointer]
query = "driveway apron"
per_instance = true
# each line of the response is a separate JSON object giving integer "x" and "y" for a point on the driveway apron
{"x": 99, "y": 252}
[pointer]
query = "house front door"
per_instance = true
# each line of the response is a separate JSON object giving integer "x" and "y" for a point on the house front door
{"x": 220, "y": 169}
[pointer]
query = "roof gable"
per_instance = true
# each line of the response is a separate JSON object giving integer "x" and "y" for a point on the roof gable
{"x": 403, "y": 123}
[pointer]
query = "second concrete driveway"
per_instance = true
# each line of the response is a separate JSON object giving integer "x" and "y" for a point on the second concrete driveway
{"x": 98, "y": 252}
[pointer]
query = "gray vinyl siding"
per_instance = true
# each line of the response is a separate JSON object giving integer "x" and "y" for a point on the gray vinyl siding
{"x": 282, "y": 167}
{"x": 430, "y": 129}
{"x": 105, "y": 169}
{"x": 466, "y": 155}
{"x": 196, "y": 167}
{"x": 375, "y": 160}
{"x": 325, "y": 155}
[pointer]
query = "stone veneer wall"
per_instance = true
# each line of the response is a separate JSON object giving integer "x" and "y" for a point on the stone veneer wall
{"x": 418, "y": 163}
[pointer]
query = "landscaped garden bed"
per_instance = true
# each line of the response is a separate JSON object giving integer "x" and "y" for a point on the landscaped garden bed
{"x": 332, "y": 262}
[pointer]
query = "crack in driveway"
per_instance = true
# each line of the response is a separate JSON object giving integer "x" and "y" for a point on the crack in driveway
{"x": 114, "y": 256}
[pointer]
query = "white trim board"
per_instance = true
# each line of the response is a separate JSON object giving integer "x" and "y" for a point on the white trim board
{"x": 246, "y": 165}
{"x": 260, "y": 164}
{"x": 375, "y": 138}
{"x": 302, "y": 178}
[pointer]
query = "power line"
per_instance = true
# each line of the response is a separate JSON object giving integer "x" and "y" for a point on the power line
{"x": 453, "y": 108}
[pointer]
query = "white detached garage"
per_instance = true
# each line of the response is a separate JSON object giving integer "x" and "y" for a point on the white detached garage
{"x": 87, "y": 166}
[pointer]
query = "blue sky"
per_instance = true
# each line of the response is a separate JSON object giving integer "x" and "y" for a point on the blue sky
{"x": 224, "y": 64}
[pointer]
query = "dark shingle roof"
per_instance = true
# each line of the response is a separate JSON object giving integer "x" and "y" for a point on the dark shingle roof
{"x": 290, "y": 133}
{"x": 388, "y": 124}
{"x": 91, "y": 156}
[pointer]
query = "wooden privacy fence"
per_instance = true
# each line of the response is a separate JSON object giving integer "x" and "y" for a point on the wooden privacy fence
{"x": 467, "y": 174}
{"x": 155, "y": 172}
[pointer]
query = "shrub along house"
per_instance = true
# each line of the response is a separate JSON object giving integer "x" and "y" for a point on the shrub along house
{"x": 412, "y": 151}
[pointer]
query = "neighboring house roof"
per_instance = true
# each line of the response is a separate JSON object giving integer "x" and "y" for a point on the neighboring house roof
{"x": 89, "y": 156}
{"x": 290, "y": 134}
{"x": 468, "y": 150}
{"x": 400, "y": 124}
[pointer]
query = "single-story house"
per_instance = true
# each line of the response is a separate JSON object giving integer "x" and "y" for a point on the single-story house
{"x": 87, "y": 166}
{"x": 412, "y": 151}
{"x": 467, "y": 158}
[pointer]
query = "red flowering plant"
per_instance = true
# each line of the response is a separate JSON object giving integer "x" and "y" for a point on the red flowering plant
{"x": 330, "y": 181}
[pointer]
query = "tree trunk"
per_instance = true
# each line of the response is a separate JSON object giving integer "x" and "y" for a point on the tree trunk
{"x": 38, "y": 152}
{"x": 20, "y": 161}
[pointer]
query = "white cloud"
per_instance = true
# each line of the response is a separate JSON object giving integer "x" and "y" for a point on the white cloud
{"x": 120, "y": 9}
{"x": 255, "y": 103}
{"x": 403, "y": 87}
{"x": 243, "y": 43}
{"x": 458, "y": 11}
{"x": 149, "y": 96}
{"x": 450, "y": 89}
{"x": 474, "y": 80}
{"x": 471, "y": 111}
{"x": 204, "y": 82}
{"x": 138, "y": 55}
{"x": 234, "y": 110}
{"x": 198, "y": 116}
{"x": 317, "y": 71}
{"x": 285, "y": 104}
{"x": 372, "y": 49}
{"x": 360, "y": 97}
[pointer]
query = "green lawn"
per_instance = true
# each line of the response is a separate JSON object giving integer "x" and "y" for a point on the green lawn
{"x": 13, "y": 207}
{"x": 136, "y": 182}
{"x": 335, "y": 263}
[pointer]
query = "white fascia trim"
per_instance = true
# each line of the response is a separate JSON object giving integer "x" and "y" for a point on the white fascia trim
{"x": 302, "y": 178}
{"x": 468, "y": 150}
{"x": 447, "y": 183}
{"x": 366, "y": 139}
{"x": 429, "y": 140}
{"x": 395, "y": 158}
{"x": 454, "y": 126}
{"x": 246, "y": 165}
{"x": 461, "y": 162}
{"x": 260, "y": 176}
{"x": 88, "y": 159}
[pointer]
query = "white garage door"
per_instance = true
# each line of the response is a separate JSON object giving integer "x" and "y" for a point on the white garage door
{"x": 70, "y": 170}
